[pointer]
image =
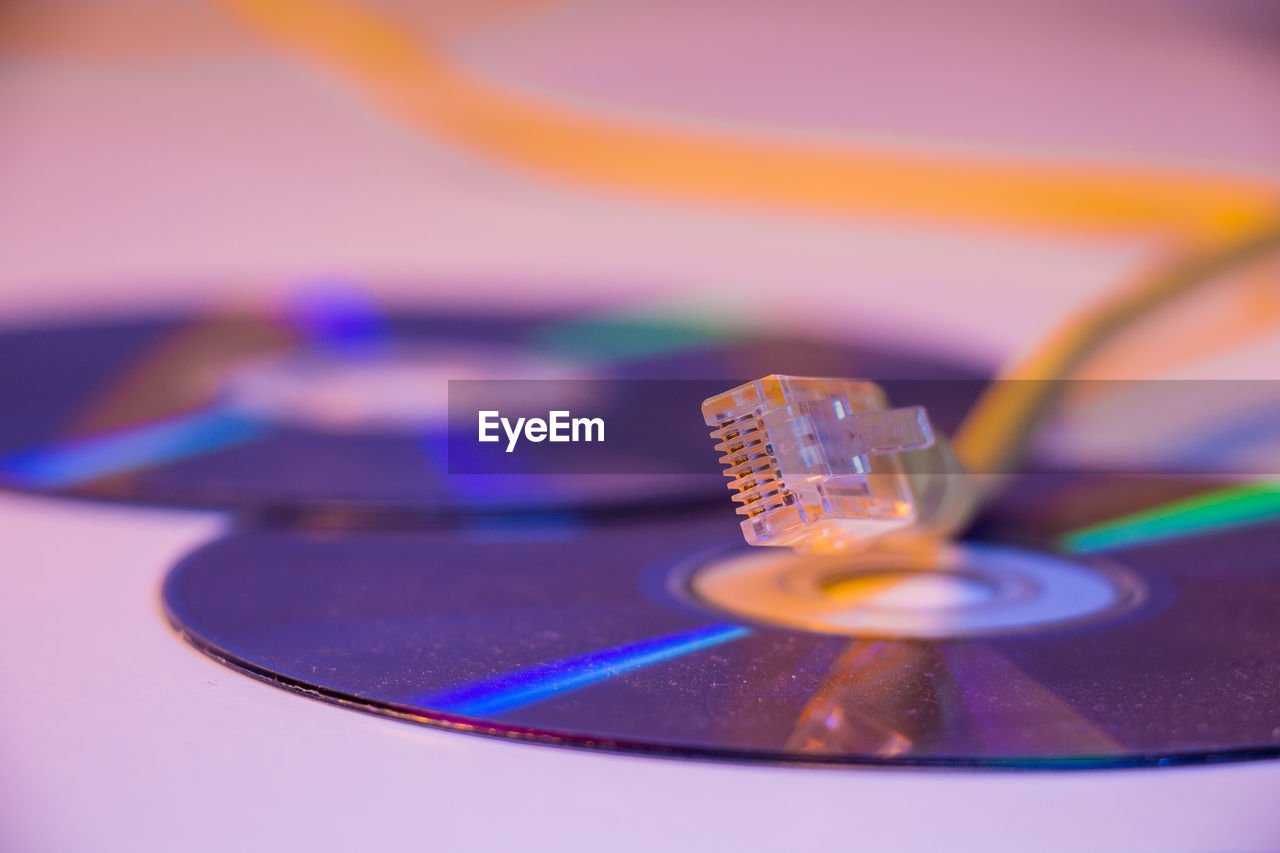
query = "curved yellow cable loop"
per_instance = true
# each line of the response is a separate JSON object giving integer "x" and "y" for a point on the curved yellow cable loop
{"x": 404, "y": 74}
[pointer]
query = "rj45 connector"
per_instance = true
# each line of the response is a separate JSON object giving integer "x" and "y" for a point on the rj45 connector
{"x": 816, "y": 464}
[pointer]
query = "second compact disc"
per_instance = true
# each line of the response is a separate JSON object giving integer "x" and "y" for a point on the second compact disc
{"x": 337, "y": 403}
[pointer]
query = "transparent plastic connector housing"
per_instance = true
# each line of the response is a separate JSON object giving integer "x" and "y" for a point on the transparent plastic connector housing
{"x": 817, "y": 464}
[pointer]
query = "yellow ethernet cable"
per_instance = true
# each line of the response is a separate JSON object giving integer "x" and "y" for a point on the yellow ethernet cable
{"x": 825, "y": 465}
{"x": 997, "y": 430}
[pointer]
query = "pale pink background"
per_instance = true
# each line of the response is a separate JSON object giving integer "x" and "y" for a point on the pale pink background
{"x": 166, "y": 157}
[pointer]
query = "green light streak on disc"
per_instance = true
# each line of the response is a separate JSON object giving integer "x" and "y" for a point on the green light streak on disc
{"x": 622, "y": 338}
{"x": 1222, "y": 509}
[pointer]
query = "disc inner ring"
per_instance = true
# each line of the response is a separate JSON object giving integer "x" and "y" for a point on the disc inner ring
{"x": 953, "y": 590}
{"x": 395, "y": 387}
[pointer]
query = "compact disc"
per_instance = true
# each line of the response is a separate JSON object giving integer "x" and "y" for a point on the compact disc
{"x": 1089, "y": 621}
{"x": 339, "y": 403}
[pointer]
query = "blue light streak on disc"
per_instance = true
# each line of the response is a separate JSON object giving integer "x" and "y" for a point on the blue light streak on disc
{"x": 523, "y": 687}
{"x": 81, "y": 460}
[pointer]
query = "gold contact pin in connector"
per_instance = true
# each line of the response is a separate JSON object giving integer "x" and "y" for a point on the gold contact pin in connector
{"x": 750, "y": 466}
